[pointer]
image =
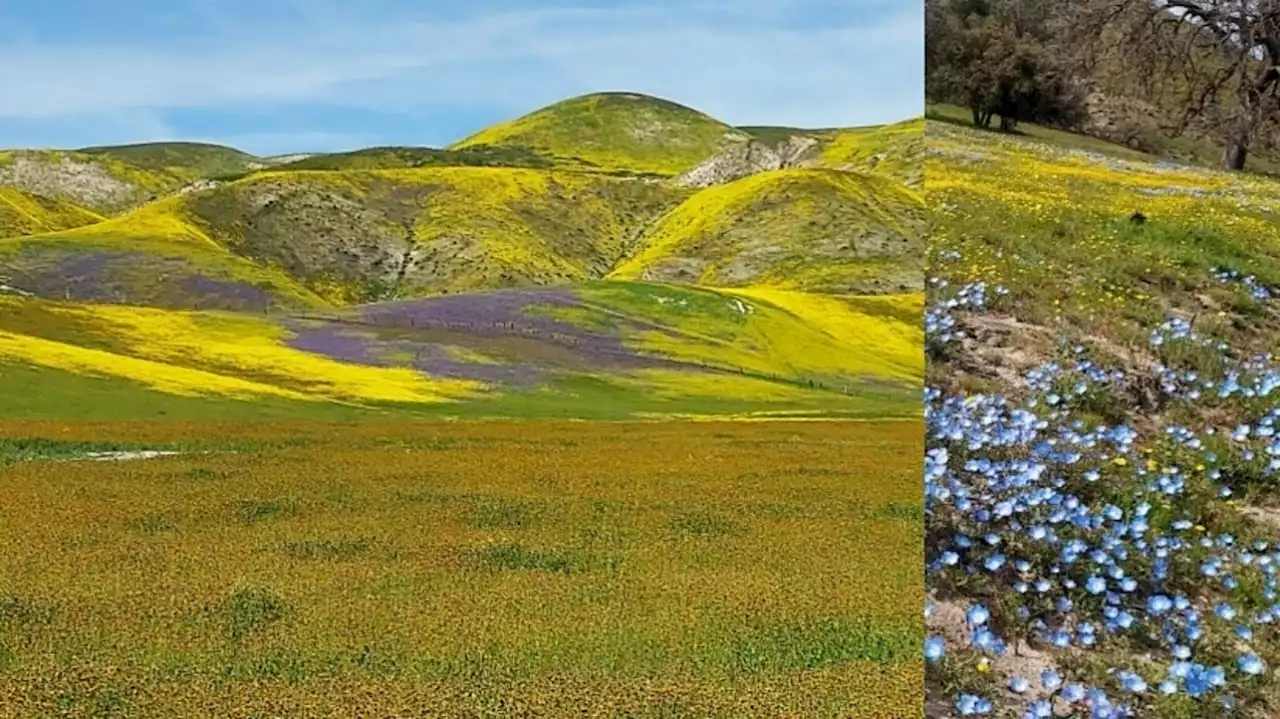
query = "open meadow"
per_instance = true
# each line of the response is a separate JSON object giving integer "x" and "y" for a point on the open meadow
{"x": 416, "y": 568}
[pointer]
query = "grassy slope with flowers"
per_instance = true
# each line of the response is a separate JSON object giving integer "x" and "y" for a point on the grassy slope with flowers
{"x": 739, "y": 351}
{"x": 814, "y": 229}
{"x": 1101, "y": 416}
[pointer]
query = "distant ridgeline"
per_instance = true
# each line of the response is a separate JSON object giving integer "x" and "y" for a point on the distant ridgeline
{"x": 605, "y": 186}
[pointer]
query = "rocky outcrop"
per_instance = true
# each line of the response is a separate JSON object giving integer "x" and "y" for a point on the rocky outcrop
{"x": 61, "y": 176}
{"x": 751, "y": 156}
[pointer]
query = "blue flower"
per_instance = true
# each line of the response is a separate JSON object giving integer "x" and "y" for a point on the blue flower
{"x": 1250, "y": 664}
{"x": 977, "y": 615}
{"x": 934, "y": 648}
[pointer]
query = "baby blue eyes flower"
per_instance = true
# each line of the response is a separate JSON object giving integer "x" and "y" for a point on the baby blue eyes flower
{"x": 970, "y": 705}
{"x": 934, "y": 648}
{"x": 1132, "y": 683}
{"x": 1158, "y": 604}
{"x": 977, "y": 615}
{"x": 1073, "y": 693}
{"x": 1020, "y": 475}
{"x": 1050, "y": 680}
{"x": 1250, "y": 664}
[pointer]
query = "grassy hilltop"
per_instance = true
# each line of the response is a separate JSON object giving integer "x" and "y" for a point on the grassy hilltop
{"x": 611, "y": 187}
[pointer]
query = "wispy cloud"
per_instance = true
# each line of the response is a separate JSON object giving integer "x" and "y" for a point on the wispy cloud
{"x": 746, "y": 61}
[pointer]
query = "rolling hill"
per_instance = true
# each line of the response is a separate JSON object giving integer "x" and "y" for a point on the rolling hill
{"x": 187, "y": 160}
{"x": 589, "y": 214}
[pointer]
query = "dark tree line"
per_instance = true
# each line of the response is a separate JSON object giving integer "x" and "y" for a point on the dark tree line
{"x": 997, "y": 58}
{"x": 1207, "y": 68}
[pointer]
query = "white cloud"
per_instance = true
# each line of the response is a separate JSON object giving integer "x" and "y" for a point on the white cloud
{"x": 743, "y": 69}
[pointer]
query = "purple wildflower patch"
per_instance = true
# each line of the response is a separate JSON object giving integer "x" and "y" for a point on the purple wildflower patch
{"x": 509, "y": 327}
{"x": 209, "y": 293}
{"x": 128, "y": 278}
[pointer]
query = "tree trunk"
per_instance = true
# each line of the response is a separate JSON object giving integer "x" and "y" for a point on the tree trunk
{"x": 1006, "y": 124}
{"x": 1234, "y": 155}
{"x": 977, "y": 115}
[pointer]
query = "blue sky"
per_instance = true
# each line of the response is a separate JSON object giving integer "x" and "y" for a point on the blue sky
{"x": 282, "y": 76}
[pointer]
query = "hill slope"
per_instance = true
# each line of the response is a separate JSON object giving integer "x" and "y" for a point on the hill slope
{"x": 619, "y": 348}
{"x": 23, "y": 213}
{"x": 360, "y": 236}
{"x": 397, "y": 158}
{"x": 354, "y": 237}
{"x": 153, "y": 256}
{"x": 814, "y": 229}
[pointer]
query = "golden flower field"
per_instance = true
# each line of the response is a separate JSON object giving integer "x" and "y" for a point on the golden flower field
{"x": 416, "y": 568}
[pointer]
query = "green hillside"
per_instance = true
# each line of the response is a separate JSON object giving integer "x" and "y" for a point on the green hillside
{"x": 360, "y": 236}
{"x": 813, "y": 229}
{"x": 614, "y": 132}
{"x": 187, "y": 160}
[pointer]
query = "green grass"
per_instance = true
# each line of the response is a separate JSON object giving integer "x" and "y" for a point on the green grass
{"x": 653, "y": 584}
{"x": 48, "y": 394}
{"x": 955, "y": 115}
{"x": 1202, "y": 151}
{"x": 37, "y": 393}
